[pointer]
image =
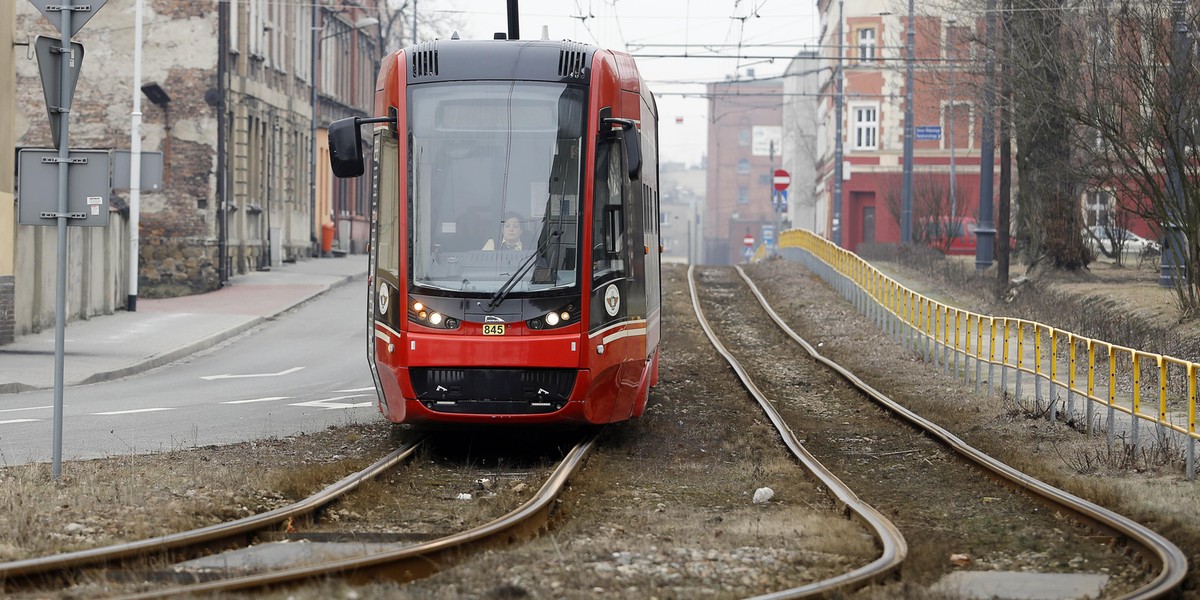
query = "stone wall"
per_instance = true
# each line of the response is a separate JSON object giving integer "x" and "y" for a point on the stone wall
{"x": 174, "y": 266}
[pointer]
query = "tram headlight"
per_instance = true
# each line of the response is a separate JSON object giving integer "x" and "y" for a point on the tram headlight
{"x": 422, "y": 314}
{"x": 556, "y": 318}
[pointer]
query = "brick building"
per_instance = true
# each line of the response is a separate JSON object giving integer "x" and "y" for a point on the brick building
{"x": 945, "y": 105}
{"x": 235, "y": 125}
{"x": 745, "y": 126}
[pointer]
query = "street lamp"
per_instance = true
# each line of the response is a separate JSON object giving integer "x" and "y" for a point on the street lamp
{"x": 317, "y": 38}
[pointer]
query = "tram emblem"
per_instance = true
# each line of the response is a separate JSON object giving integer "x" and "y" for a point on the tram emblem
{"x": 612, "y": 300}
{"x": 492, "y": 319}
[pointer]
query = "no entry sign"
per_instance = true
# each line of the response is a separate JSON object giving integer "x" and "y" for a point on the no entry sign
{"x": 782, "y": 180}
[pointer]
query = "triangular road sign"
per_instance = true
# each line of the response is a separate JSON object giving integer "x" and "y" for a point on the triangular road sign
{"x": 81, "y": 12}
{"x": 49, "y": 57}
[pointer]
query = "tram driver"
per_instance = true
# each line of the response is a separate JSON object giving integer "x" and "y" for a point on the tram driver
{"x": 512, "y": 235}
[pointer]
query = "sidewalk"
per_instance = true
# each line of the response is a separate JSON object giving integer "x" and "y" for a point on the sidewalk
{"x": 165, "y": 330}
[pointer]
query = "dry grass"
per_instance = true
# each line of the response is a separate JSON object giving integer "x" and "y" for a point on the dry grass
{"x": 107, "y": 501}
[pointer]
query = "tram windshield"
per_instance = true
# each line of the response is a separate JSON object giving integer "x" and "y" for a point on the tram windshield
{"x": 495, "y": 185}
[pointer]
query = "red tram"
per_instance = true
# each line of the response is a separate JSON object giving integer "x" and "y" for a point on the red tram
{"x": 515, "y": 246}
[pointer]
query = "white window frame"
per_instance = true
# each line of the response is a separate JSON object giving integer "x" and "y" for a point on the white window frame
{"x": 866, "y": 48}
{"x": 861, "y": 129}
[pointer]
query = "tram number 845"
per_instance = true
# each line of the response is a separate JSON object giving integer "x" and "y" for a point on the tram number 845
{"x": 493, "y": 329}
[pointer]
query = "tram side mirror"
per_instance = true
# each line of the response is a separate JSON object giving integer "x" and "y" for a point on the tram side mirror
{"x": 345, "y": 148}
{"x": 633, "y": 146}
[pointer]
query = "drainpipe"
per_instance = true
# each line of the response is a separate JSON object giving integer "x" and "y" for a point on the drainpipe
{"x": 222, "y": 199}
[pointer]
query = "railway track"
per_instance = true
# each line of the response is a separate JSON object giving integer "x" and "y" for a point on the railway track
{"x": 862, "y": 433}
{"x": 397, "y": 562}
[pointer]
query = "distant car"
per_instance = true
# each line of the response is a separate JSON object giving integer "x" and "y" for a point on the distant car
{"x": 953, "y": 236}
{"x": 1100, "y": 239}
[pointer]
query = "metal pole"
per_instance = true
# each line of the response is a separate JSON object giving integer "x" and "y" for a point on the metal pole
{"x": 1173, "y": 271}
{"x": 950, "y": 137}
{"x": 837, "y": 143}
{"x": 60, "y": 288}
{"x": 906, "y": 190}
{"x": 774, "y": 207}
{"x": 985, "y": 231}
{"x": 313, "y": 232}
{"x": 414, "y": 15}
{"x": 222, "y": 188}
{"x": 514, "y": 22}
{"x": 135, "y": 160}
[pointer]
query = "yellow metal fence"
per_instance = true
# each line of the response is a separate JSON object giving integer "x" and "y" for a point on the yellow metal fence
{"x": 1154, "y": 393}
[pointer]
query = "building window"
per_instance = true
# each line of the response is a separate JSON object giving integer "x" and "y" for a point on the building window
{"x": 743, "y": 167}
{"x": 866, "y": 44}
{"x": 743, "y": 195}
{"x": 1098, "y": 205}
{"x": 743, "y": 137}
{"x": 866, "y": 127}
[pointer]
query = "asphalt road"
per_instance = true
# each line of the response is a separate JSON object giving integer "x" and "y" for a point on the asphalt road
{"x": 302, "y": 372}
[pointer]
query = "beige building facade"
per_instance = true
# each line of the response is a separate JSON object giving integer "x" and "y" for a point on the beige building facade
{"x": 235, "y": 123}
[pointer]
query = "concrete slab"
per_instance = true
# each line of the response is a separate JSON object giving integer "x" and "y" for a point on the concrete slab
{"x": 276, "y": 555}
{"x": 1013, "y": 585}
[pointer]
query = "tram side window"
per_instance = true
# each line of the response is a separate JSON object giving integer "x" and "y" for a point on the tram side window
{"x": 608, "y": 222}
{"x": 386, "y": 199}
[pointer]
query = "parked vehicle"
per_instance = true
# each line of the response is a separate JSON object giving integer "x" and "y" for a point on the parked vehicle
{"x": 1101, "y": 238}
{"x": 950, "y": 235}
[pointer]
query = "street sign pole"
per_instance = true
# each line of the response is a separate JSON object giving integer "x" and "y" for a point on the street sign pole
{"x": 60, "y": 288}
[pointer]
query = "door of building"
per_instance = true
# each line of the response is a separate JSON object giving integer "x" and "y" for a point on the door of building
{"x": 868, "y": 225}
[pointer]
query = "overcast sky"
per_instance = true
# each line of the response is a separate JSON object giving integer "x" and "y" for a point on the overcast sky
{"x": 657, "y": 27}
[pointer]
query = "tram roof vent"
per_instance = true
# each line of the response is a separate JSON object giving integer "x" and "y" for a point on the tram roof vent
{"x": 572, "y": 60}
{"x": 425, "y": 60}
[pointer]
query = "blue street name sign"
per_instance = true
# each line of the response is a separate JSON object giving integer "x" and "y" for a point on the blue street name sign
{"x": 929, "y": 132}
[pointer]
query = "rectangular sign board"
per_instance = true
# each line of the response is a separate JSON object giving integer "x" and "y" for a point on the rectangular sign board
{"x": 152, "y": 170}
{"x": 929, "y": 132}
{"x": 89, "y": 186}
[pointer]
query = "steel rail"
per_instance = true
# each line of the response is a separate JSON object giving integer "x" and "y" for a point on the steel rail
{"x": 416, "y": 561}
{"x": 893, "y": 547}
{"x": 1171, "y": 560}
{"x": 24, "y": 572}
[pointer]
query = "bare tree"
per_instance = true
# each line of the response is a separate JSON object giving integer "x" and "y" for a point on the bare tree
{"x": 396, "y": 23}
{"x": 1134, "y": 116}
{"x": 937, "y": 221}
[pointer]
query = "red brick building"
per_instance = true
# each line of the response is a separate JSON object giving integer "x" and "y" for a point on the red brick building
{"x": 946, "y": 109}
{"x": 745, "y": 127}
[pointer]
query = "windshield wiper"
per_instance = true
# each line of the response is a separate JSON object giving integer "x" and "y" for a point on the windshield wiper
{"x": 511, "y": 282}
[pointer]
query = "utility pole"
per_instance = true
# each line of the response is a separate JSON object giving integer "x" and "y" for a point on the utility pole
{"x": 950, "y": 21}
{"x": 985, "y": 232}
{"x": 837, "y": 144}
{"x": 135, "y": 161}
{"x": 906, "y": 190}
{"x": 1174, "y": 267}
